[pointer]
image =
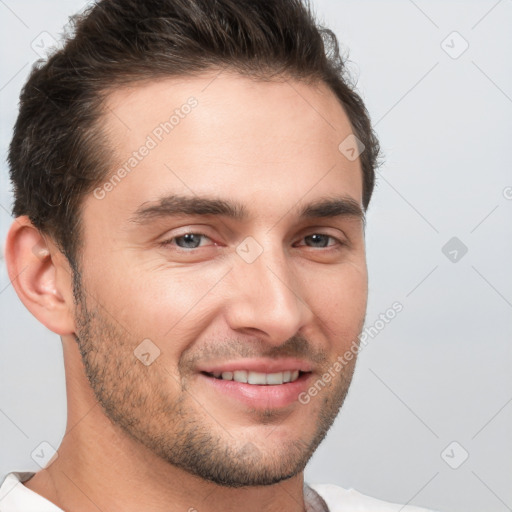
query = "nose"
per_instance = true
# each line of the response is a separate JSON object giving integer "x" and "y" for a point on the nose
{"x": 265, "y": 298}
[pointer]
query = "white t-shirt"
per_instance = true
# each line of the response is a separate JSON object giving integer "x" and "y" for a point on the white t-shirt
{"x": 15, "y": 497}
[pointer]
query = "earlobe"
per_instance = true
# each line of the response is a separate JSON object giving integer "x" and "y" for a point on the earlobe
{"x": 41, "y": 276}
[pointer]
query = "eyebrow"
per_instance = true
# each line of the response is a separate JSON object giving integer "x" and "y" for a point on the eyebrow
{"x": 173, "y": 205}
{"x": 333, "y": 207}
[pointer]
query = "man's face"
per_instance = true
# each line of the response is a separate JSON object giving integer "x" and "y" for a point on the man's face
{"x": 214, "y": 251}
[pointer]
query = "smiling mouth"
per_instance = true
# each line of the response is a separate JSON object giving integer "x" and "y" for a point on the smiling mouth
{"x": 258, "y": 378}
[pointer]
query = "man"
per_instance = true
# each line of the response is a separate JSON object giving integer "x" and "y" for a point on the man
{"x": 190, "y": 182}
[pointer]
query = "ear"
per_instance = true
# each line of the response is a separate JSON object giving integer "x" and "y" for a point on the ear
{"x": 41, "y": 276}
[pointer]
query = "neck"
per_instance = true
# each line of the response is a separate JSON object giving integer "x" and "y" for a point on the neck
{"x": 100, "y": 467}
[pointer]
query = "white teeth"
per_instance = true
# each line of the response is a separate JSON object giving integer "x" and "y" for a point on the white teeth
{"x": 258, "y": 378}
{"x": 240, "y": 376}
{"x": 275, "y": 378}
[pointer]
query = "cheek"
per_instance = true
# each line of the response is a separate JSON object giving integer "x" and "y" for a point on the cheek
{"x": 340, "y": 301}
{"x": 169, "y": 306}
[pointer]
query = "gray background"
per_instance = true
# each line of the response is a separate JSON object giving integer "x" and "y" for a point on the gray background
{"x": 440, "y": 371}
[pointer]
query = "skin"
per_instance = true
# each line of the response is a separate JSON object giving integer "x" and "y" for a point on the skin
{"x": 142, "y": 437}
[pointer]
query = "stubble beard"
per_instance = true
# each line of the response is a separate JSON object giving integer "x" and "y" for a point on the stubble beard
{"x": 171, "y": 425}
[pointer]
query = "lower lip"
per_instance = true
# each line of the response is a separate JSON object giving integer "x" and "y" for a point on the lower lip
{"x": 260, "y": 396}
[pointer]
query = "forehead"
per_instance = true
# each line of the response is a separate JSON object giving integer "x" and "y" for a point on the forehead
{"x": 226, "y": 109}
{"x": 267, "y": 142}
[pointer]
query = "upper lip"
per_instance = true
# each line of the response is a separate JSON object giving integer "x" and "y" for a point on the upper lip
{"x": 258, "y": 365}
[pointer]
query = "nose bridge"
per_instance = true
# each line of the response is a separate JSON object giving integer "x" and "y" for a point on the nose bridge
{"x": 267, "y": 297}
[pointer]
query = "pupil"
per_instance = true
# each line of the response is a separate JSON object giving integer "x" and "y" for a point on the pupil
{"x": 319, "y": 240}
{"x": 190, "y": 240}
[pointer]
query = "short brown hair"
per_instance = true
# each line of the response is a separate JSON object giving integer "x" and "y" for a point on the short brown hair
{"x": 58, "y": 153}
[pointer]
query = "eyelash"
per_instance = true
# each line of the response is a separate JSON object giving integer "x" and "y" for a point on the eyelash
{"x": 170, "y": 241}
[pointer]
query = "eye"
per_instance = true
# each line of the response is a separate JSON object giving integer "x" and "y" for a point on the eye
{"x": 321, "y": 240}
{"x": 186, "y": 241}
